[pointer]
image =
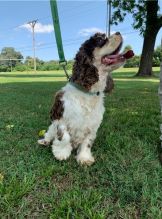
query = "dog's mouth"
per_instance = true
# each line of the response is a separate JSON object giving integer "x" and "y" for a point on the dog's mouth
{"x": 115, "y": 57}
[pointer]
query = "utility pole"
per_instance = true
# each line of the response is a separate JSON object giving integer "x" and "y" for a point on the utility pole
{"x": 109, "y": 29}
{"x": 108, "y": 18}
{"x": 32, "y": 24}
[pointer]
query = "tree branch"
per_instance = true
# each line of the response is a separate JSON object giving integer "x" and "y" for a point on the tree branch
{"x": 152, "y": 9}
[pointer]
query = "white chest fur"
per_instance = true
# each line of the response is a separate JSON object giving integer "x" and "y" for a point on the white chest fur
{"x": 82, "y": 112}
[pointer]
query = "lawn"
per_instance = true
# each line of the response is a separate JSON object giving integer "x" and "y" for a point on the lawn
{"x": 124, "y": 183}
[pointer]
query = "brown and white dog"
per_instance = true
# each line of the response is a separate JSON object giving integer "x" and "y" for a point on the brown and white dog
{"x": 79, "y": 106}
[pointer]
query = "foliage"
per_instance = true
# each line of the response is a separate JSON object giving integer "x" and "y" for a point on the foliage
{"x": 22, "y": 68}
{"x": 9, "y": 53}
{"x": 136, "y": 8}
{"x": 29, "y": 62}
{"x": 157, "y": 57}
{"x": 133, "y": 62}
{"x": 47, "y": 66}
{"x": 4, "y": 68}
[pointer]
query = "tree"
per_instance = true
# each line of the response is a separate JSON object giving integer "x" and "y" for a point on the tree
{"x": 147, "y": 20}
{"x": 10, "y": 53}
{"x": 29, "y": 62}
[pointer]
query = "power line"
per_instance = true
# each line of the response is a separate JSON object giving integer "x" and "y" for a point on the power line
{"x": 68, "y": 42}
{"x": 29, "y": 48}
{"x": 54, "y": 45}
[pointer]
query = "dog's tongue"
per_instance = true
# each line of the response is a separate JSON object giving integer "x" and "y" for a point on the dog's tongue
{"x": 111, "y": 59}
{"x": 129, "y": 54}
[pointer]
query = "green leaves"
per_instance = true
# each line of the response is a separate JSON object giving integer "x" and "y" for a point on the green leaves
{"x": 157, "y": 57}
{"x": 138, "y": 9}
{"x": 9, "y": 53}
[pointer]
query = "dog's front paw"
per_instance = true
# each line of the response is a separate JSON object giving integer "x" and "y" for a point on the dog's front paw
{"x": 85, "y": 159}
{"x": 61, "y": 153}
{"x": 43, "y": 142}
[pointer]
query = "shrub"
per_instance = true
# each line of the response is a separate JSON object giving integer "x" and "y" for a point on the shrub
{"x": 22, "y": 68}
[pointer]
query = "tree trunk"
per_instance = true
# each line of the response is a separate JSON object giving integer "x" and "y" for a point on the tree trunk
{"x": 153, "y": 25}
{"x": 145, "y": 68}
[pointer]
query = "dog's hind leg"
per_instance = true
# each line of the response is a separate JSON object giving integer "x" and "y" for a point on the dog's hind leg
{"x": 84, "y": 155}
{"x": 61, "y": 146}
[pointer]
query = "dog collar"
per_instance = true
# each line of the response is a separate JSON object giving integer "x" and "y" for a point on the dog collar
{"x": 83, "y": 89}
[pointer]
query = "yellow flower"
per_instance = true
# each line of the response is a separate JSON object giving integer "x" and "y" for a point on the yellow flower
{"x": 41, "y": 133}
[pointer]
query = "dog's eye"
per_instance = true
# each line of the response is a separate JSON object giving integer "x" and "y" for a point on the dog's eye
{"x": 101, "y": 42}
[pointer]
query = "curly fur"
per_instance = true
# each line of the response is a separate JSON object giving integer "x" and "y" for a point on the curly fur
{"x": 76, "y": 115}
{"x": 84, "y": 73}
{"x": 57, "y": 108}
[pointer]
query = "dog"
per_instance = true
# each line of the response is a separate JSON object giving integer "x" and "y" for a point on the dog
{"x": 79, "y": 106}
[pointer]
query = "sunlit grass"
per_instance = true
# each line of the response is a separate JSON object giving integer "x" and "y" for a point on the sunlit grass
{"x": 126, "y": 180}
{"x": 126, "y": 74}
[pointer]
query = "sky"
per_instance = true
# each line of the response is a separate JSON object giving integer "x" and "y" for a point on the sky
{"x": 78, "y": 20}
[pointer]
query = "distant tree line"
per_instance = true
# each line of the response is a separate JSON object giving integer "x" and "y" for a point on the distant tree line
{"x": 28, "y": 64}
{"x": 12, "y": 60}
{"x": 135, "y": 61}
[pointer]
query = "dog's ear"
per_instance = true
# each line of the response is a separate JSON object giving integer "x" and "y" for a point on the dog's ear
{"x": 109, "y": 85}
{"x": 84, "y": 72}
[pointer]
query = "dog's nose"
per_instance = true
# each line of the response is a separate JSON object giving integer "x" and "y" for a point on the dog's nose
{"x": 117, "y": 33}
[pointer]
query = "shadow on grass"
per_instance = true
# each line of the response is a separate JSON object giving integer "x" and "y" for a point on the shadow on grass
{"x": 122, "y": 75}
{"x": 132, "y": 75}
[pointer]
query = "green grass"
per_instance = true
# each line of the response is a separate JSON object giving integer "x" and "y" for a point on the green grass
{"x": 126, "y": 180}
